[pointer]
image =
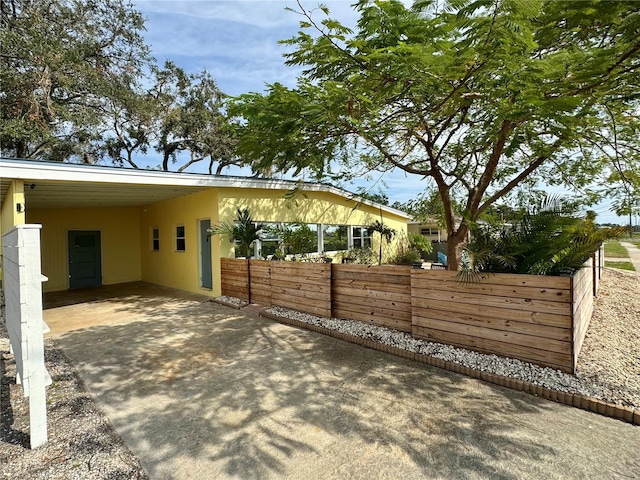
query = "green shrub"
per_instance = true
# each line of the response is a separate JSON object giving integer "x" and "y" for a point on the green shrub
{"x": 404, "y": 253}
{"x": 548, "y": 241}
{"x": 421, "y": 244}
{"x": 360, "y": 256}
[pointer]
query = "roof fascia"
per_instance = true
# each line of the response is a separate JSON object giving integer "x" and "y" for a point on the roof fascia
{"x": 38, "y": 170}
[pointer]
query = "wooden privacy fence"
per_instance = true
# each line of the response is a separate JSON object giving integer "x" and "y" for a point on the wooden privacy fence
{"x": 534, "y": 318}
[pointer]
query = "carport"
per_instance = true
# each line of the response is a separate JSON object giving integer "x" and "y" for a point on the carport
{"x": 198, "y": 390}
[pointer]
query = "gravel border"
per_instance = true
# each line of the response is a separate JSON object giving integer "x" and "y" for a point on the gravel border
{"x": 232, "y": 302}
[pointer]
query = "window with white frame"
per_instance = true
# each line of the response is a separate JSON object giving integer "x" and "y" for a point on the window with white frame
{"x": 361, "y": 237}
{"x": 155, "y": 239}
{"x": 180, "y": 239}
{"x": 335, "y": 237}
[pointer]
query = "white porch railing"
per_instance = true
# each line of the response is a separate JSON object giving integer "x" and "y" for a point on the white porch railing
{"x": 23, "y": 299}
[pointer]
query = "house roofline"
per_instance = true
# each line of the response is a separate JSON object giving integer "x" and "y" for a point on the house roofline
{"x": 42, "y": 170}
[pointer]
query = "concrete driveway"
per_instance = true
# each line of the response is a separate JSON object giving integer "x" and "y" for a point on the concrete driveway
{"x": 201, "y": 391}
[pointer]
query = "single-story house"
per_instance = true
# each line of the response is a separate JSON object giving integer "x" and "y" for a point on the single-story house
{"x": 107, "y": 225}
{"x": 429, "y": 228}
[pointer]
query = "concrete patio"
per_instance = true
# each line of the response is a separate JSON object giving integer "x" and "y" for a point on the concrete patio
{"x": 202, "y": 391}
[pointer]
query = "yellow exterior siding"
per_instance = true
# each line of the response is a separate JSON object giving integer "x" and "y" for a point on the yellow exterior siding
{"x": 178, "y": 269}
{"x": 67, "y": 198}
{"x": 10, "y": 216}
{"x": 306, "y": 207}
{"x": 120, "y": 241}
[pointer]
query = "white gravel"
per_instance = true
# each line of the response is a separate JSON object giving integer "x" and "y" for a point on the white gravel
{"x": 608, "y": 366}
{"x": 233, "y": 301}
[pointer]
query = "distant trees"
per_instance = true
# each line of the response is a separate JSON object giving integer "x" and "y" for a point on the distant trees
{"x": 79, "y": 84}
{"x": 59, "y": 61}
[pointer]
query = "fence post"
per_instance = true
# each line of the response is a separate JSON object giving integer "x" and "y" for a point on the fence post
{"x": 331, "y": 289}
{"x": 23, "y": 287}
{"x": 594, "y": 273}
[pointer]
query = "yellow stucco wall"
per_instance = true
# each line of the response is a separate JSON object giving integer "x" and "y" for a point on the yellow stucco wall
{"x": 182, "y": 269}
{"x": 306, "y": 207}
{"x": 120, "y": 242}
{"x": 126, "y": 233}
{"x": 10, "y": 216}
{"x": 167, "y": 266}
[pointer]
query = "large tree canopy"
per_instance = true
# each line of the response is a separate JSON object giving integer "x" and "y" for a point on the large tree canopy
{"x": 478, "y": 97}
{"x": 79, "y": 83}
{"x": 60, "y": 59}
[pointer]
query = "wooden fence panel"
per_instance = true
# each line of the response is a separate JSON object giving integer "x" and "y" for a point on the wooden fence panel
{"x": 260, "y": 281}
{"x": 305, "y": 287}
{"x": 522, "y": 316}
{"x": 380, "y": 295}
{"x": 582, "y": 306}
{"x": 234, "y": 281}
{"x": 534, "y": 318}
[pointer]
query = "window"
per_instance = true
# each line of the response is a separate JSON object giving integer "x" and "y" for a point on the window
{"x": 335, "y": 238}
{"x": 361, "y": 237}
{"x": 155, "y": 239}
{"x": 429, "y": 231}
{"x": 180, "y": 241}
{"x": 287, "y": 239}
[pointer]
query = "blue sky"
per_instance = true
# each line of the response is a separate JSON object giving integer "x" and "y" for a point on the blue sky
{"x": 237, "y": 42}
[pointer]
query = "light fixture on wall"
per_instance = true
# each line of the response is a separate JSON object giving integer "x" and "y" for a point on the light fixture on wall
{"x": 32, "y": 186}
{"x": 20, "y": 207}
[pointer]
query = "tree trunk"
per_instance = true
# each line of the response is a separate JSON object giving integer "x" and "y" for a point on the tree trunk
{"x": 455, "y": 243}
{"x": 21, "y": 149}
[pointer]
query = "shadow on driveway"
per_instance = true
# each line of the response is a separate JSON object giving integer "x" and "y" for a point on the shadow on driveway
{"x": 202, "y": 391}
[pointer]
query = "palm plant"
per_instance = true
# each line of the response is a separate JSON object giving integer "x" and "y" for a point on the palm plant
{"x": 550, "y": 240}
{"x": 243, "y": 232}
{"x": 386, "y": 233}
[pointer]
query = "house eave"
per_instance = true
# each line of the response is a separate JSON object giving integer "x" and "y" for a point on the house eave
{"x": 32, "y": 171}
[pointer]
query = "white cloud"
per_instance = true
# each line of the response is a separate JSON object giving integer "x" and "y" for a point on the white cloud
{"x": 259, "y": 13}
{"x": 236, "y": 41}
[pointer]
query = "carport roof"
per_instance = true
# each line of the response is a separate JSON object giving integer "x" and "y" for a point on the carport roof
{"x": 59, "y": 185}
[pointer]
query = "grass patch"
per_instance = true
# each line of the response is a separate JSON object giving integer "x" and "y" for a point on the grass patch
{"x": 614, "y": 249}
{"x": 620, "y": 265}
